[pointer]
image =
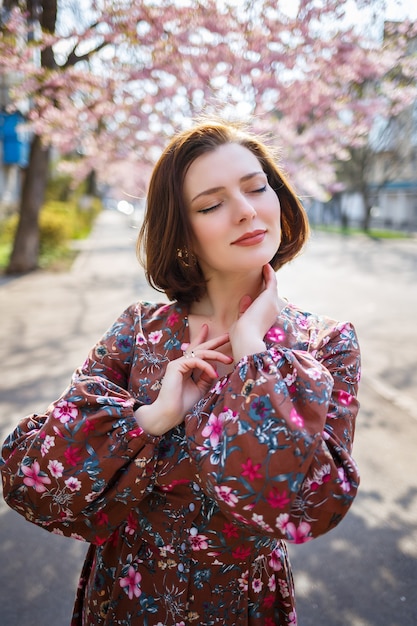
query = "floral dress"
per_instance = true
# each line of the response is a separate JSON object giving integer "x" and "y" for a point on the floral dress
{"x": 190, "y": 527}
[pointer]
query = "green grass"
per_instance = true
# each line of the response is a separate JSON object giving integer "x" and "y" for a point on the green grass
{"x": 374, "y": 233}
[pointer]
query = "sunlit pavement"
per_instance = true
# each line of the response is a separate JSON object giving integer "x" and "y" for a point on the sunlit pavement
{"x": 364, "y": 573}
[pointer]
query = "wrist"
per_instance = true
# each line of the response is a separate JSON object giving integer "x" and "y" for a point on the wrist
{"x": 148, "y": 418}
{"x": 248, "y": 348}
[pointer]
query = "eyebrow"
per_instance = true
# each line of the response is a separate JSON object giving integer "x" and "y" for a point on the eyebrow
{"x": 208, "y": 192}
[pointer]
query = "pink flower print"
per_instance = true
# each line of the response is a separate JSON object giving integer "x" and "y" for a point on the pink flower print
{"x": 314, "y": 373}
{"x": 343, "y": 479}
{"x": 291, "y": 377}
{"x": 131, "y": 583}
{"x": 272, "y": 583}
{"x": 298, "y": 534}
{"x": 241, "y": 552}
{"x": 345, "y": 398}
{"x": 172, "y": 319}
{"x": 269, "y": 600}
{"x": 73, "y": 484}
{"x": 155, "y": 336}
{"x": 296, "y": 418}
{"x": 277, "y": 500}
{"x": 230, "y": 530}
{"x": 320, "y": 476}
{"x": 283, "y": 587}
{"x": 259, "y": 521}
{"x": 302, "y": 321}
{"x": 132, "y": 524}
{"x": 257, "y": 585}
{"x": 47, "y": 444}
{"x": 293, "y": 618}
{"x": 282, "y": 521}
{"x": 72, "y": 456}
{"x": 244, "y": 581}
{"x": 140, "y": 339}
{"x": 250, "y": 470}
{"x": 217, "y": 388}
{"x": 88, "y": 427}
{"x": 55, "y": 468}
{"x": 65, "y": 411}
{"x": 213, "y": 429}
{"x": 275, "y": 335}
{"x": 225, "y": 494}
{"x": 276, "y": 561}
{"x": 198, "y": 542}
{"x": 102, "y": 518}
{"x": 33, "y": 477}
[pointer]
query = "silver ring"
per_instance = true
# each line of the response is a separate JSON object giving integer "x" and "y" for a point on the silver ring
{"x": 189, "y": 354}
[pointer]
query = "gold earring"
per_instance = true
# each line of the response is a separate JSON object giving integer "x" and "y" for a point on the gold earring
{"x": 186, "y": 258}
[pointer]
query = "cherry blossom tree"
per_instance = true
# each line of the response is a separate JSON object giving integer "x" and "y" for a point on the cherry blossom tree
{"x": 111, "y": 80}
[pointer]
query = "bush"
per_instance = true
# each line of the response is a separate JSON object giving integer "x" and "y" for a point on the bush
{"x": 59, "y": 223}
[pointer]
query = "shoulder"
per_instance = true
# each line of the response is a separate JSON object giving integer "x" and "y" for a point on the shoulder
{"x": 316, "y": 329}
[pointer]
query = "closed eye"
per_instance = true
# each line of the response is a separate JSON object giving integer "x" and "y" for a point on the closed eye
{"x": 260, "y": 190}
{"x": 210, "y": 208}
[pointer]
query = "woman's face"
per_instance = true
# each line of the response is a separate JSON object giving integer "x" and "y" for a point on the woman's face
{"x": 234, "y": 213}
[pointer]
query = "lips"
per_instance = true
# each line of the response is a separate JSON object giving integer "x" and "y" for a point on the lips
{"x": 250, "y": 239}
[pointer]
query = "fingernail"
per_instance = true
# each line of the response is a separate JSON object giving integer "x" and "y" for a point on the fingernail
{"x": 184, "y": 346}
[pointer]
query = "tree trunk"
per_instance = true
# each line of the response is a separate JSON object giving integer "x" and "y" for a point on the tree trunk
{"x": 25, "y": 253}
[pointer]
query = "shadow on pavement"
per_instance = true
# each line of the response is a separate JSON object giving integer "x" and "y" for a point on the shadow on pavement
{"x": 39, "y": 573}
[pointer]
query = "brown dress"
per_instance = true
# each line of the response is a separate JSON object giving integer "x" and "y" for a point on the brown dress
{"x": 190, "y": 527}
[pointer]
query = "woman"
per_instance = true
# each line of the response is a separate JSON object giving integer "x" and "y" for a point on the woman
{"x": 202, "y": 434}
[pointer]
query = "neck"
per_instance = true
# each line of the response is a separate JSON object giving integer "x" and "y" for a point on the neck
{"x": 221, "y": 301}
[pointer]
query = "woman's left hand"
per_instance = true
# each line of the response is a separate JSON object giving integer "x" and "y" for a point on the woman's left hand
{"x": 255, "y": 318}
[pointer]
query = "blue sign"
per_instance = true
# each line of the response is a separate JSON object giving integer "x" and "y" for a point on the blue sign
{"x": 15, "y": 140}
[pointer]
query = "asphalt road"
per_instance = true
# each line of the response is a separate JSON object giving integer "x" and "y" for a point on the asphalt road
{"x": 363, "y": 573}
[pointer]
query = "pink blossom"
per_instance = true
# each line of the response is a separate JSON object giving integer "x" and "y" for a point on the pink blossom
{"x": 72, "y": 456}
{"x": 272, "y": 583}
{"x": 244, "y": 581}
{"x": 47, "y": 444}
{"x": 65, "y": 411}
{"x": 172, "y": 319}
{"x": 345, "y": 398}
{"x": 73, "y": 483}
{"x": 198, "y": 542}
{"x": 302, "y": 322}
{"x": 225, "y": 494}
{"x": 296, "y": 418}
{"x": 140, "y": 339}
{"x": 250, "y": 470}
{"x": 282, "y": 521}
{"x": 298, "y": 534}
{"x": 213, "y": 429}
{"x": 275, "y": 335}
{"x": 257, "y": 585}
{"x": 276, "y": 560}
{"x": 131, "y": 583}
{"x": 55, "y": 468}
{"x": 343, "y": 479}
{"x": 276, "y": 499}
{"x": 33, "y": 478}
{"x": 155, "y": 336}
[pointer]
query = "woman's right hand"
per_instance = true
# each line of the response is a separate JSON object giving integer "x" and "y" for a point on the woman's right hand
{"x": 187, "y": 379}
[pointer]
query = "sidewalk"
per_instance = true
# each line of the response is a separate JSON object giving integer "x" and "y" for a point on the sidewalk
{"x": 50, "y": 320}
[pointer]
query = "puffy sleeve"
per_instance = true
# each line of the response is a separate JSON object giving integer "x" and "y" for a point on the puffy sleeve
{"x": 273, "y": 441}
{"x": 78, "y": 469}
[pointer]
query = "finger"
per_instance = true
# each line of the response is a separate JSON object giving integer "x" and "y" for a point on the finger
{"x": 206, "y": 355}
{"x": 244, "y": 304}
{"x": 269, "y": 276}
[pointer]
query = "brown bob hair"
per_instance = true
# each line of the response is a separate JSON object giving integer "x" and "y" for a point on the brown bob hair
{"x": 165, "y": 237}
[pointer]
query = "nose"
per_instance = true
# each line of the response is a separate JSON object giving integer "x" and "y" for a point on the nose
{"x": 244, "y": 210}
